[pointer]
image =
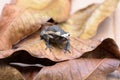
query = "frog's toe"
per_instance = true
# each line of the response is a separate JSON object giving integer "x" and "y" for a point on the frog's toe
{"x": 50, "y": 48}
{"x": 66, "y": 51}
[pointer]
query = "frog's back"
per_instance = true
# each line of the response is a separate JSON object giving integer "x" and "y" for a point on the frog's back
{"x": 56, "y": 28}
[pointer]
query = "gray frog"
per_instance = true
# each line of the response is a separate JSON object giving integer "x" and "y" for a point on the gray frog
{"x": 54, "y": 34}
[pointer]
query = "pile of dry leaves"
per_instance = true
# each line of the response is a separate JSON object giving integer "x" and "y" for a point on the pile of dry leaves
{"x": 23, "y": 54}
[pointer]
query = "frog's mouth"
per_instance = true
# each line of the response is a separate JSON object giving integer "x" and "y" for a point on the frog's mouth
{"x": 60, "y": 40}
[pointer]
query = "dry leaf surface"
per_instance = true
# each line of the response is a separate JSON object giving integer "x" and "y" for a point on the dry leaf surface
{"x": 54, "y": 8}
{"x": 16, "y": 27}
{"x": 102, "y": 12}
{"x": 36, "y": 47}
{"x": 33, "y": 4}
{"x": 84, "y": 23}
{"x": 75, "y": 23}
{"x": 81, "y": 69}
{"x": 10, "y": 73}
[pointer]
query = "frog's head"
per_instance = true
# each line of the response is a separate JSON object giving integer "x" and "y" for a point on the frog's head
{"x": 63, "y": 38}
{"x": 66, "y": 35}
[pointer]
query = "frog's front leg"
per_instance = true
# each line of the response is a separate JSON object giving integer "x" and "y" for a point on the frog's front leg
{"x": 67, "y": 46}
{"x": 47, "y": 42}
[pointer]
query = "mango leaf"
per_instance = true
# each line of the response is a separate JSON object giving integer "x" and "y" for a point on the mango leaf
{"x": 16, "y": 24}
{"x": 59, "y": 10}
{"x": 80, "y": 69}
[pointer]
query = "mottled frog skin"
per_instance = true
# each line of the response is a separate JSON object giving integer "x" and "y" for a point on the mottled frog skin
{"x": 54, "y": 34}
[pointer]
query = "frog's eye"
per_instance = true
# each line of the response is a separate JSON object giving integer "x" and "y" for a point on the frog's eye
{"x": 68, "y": 34}
{"x": 42, "y": 33}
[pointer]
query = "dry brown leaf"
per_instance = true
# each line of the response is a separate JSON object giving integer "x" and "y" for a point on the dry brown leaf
{"x": 81, "y": 69}
{"x": 103, "y": 11}
{"x": 36, "y": 47}
{"x": 84, "y": 23}
{"x": 28, "y": 65}
{"x": 114, "y": 75}
{"x": 17, "y": 22}
{"x": 59, "y": 10}
{"x": 9, "y": 73}
{"x": 33, "y": 4}
{"x": 75, "y": 23}
{"x": 107, "y": 48}
{"x": 15, "y": 27}
{"x": 90, "y": 69}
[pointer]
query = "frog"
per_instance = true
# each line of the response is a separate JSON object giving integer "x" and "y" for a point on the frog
{"x": 55, "y": 34}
